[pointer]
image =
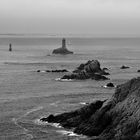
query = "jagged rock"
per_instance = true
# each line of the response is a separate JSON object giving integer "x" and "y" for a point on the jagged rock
{"x": 63, "y": 70}
{"x": 63, "y": 50}
{"x": 99, "y": 77}
{"x": 90, "y": 66}
{"x": 50, "y": 118}
{"x": 124, "y": 67}
{"x": 110, "y": 85}
{"x": 138, "y": 71}
{"x": 115, "y": 119}
{"x": 89, "y": 70}
{"x": 74, "y": 118}
{"x": 105, "y": 69}
{"x": 38, "y": 70}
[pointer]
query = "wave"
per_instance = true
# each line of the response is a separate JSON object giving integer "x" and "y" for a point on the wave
{"x": 105, "y": 86}
{"x": 68, "y": 133}
{"x": 15, "y": 120}
{"x": 39, "y": 122}
{"x": 57, "y": 125}
{"x": 83, "y": 103}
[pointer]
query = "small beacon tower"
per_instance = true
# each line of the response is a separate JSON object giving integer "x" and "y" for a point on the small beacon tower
{"x": 10, "y": 47}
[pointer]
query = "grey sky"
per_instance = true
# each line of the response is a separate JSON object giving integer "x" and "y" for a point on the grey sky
{"x": 97, "y": 17}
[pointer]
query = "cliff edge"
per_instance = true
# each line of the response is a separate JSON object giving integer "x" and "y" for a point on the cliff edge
{"x": 114, "y": 119}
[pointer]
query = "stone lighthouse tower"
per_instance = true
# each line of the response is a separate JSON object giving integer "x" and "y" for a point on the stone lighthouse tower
{"x": 64, "y": 43}
{"x": 63, "y": 49}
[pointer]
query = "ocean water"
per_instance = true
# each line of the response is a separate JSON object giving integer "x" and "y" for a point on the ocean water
{"x": 26, "y": 96}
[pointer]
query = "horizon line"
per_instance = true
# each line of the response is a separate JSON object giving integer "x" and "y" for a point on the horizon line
{"x": 69, "y": 35}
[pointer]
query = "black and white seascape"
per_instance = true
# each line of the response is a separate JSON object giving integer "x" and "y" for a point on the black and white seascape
{"x": 69, "y": 70}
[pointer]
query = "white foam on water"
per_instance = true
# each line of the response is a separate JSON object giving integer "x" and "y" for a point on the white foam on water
{"x": 63, "y": 80}
{"x": 42, "y": 71}
{"x": 39, "y": 122}
{"x": 57, "y": 125}
{"x": 15, "y": 120}
{"x": 108, "y": 87}
{"x": 69, "y": 133}
{"x": 105, "y": 86}
{"x": 55, "y": 103}
{"x": 83, "y": 103}
{"x": 33, "y": 110}
{"x": 25, "y": 130}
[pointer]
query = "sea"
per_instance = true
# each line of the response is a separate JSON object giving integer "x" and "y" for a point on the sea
{"x": 27, "y": 95}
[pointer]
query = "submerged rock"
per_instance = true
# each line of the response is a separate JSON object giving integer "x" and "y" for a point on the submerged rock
{"x": 89, "y": 70}
{"x": 115, "y": 119}
{"x": 63, "y": 50}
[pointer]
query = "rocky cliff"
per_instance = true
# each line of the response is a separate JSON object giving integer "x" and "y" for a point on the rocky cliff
{"x": 114, "y": 119}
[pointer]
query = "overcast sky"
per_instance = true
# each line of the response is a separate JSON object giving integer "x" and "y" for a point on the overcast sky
{"x": 95, "y": 17}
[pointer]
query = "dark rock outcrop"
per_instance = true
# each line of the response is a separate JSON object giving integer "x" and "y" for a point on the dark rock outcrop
{"x": 63, "y": 70}
{"x": 89, "y": 70}
{"x": 63, "y": 50}
{"x": 115, "y": 119}
{"x": 99, "y": 77}
{"x": 124, "y": 67}
{"x": 105, "y": 69}
{"x": 138, "y": 70}
{"x": 74, "y": 118}
{"x": 110, "y": 85}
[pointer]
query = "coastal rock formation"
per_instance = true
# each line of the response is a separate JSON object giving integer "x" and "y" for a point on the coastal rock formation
{"x": 74, "y": 118}
{"x": 63, "y": 70}
{"x": 105, "y": 69}
{"x": 63, "y": 50}
{"x": 138, "y": 70}
{"x": 115, "y": 119}
{"x": 89, "y": 70}
{"x": 124, "y": 67}
{"x": 109, "y": 85}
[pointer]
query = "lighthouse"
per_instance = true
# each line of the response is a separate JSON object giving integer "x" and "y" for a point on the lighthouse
{"x": 62, "y": 50}
{"x": 10, "y": 47}
{"x": 64, "y": 43}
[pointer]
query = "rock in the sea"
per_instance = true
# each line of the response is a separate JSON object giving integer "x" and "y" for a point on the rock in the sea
{"x": 109, "y": 85}
{"x": 105, "y": 69}
{"x": 38, "y": 70}
{"x": 89, "y": 70}
{"x": 63, "y": 70}
{"x": 115, "y": 119}
{"x": 99, "y": 77}
{"x": 124, "y": 67}
{"x": 138, "y": 70}
{"x": 63, "y": 50}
